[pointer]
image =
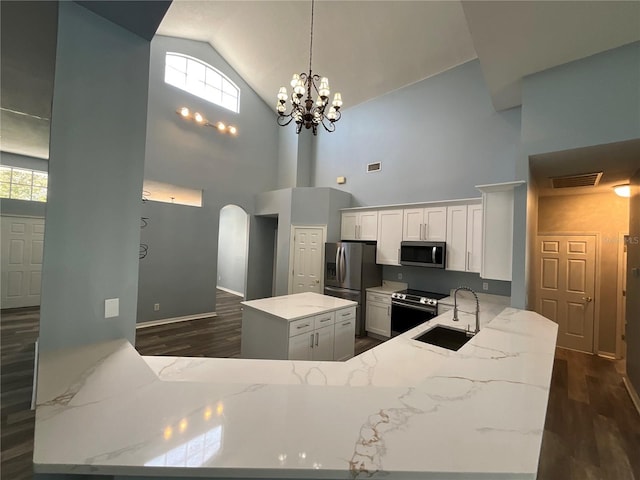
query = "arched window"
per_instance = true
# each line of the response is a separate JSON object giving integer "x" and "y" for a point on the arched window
{"x": 202, "y": 80}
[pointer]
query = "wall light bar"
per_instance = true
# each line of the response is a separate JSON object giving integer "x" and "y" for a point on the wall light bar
{"x": 197, "y": 117}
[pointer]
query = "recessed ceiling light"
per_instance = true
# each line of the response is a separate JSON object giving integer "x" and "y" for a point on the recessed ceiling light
{"x": 232, "y": 130}
{"x": 199, "y": 118}
{"x": 623, "y": 190}
{"x": 221, "y": 126}
{"x": 184, "y": 111}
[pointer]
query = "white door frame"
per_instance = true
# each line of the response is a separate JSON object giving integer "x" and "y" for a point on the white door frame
{"x": 292, "y": 254}
{"x": 596, "y": 288}
{"x": 622, "y": 280}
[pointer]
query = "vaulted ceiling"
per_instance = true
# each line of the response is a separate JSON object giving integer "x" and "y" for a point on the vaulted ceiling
{"x": 366, "y": 48}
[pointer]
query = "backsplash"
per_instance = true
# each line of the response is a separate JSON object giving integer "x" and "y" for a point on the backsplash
{"x": 442, "y": 281}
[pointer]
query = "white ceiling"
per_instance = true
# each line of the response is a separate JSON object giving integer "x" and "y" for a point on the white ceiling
{"x": 369, "y": 48}
{"x": 366, "y": 48}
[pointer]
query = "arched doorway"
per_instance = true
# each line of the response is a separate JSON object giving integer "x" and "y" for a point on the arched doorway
{"x": 233, "y": 236}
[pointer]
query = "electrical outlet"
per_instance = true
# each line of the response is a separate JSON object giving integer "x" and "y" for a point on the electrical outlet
{"x": 485, "y": 285}
{"x": 399, "y": 276}
{"x": 156, "y": 307}
{"x": 111, "y": 307}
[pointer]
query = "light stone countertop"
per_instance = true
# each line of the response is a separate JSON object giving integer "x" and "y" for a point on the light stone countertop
{"x": 388, "y": 287}
{"x": 403, "y": 410}
{"x": 298, "y": 305}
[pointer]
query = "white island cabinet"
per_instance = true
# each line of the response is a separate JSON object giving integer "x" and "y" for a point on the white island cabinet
{"x": 303, "y": 326}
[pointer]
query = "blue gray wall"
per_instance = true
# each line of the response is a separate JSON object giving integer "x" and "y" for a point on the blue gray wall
{"x": 436, "y": 139}
{"x": 9, "y": 206}
{"x": 180, "y": 270}
{"x": 232, "y": 248}
{"x": 96, "y": 167}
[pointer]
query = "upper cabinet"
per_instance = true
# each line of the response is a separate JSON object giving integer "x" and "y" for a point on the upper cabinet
{"x": 426, "y": 224}
{"x": 362, "y": 225}
{"x": 464, "y": 238}
{"x": 389, "y": 237}
{"x": 497, "y": 230}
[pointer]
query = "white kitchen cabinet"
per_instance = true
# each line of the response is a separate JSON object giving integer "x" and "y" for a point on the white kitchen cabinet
{"x": 378, "y": 319}
{"x": 425, "y": 224}
{"x": 464, "y": 237}
{"x": 497, "y": 235}
{"x": 361, "y": 225}
{"x": 344, "y": 339}
{"x": 474, "y": 238}
{"x": 389, "y": 237}
{"x": 300, "y": 346}
{"x": 278, "y": 328}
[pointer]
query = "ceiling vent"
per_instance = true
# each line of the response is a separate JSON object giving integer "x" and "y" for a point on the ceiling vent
{"x": 374, "y": 167}
{"x": 583, "y": 180}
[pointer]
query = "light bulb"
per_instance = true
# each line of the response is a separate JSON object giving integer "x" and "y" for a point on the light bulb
{"x": 320, "y": 102}
{"x": 622, "y": 190}
{"x": 299, "y": 88}
{"x": 337, "y": 101}
{"x": 232, "y": 130}
{"x": 199, "y": 118}
{"x": 332, "y": 114}
{"x": 280, "y": 107}
{"x": 184, "y": 111}
{"x": 221, "y": 126}
{"x": 294, "y": 80}
{"x": 282, "y": 94}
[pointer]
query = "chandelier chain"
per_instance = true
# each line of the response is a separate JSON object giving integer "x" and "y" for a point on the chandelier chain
{"x": 311, "y": 42}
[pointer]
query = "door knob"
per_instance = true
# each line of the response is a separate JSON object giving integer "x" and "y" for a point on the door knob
{"x": 587, "y": 299}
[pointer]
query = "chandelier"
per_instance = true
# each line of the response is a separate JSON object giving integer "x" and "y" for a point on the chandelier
{"x": 309, "y": 112}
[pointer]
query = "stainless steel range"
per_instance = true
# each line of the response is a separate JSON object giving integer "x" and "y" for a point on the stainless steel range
{"x": 410, "y": 308}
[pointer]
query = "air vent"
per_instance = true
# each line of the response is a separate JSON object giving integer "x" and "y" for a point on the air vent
{"x": 374, "y": 167}
{"x": 583, "y": 180}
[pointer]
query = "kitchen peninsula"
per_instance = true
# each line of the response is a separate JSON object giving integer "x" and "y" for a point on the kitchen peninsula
{"x": 404, "y": 409}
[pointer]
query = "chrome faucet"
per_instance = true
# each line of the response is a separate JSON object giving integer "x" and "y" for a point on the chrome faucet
{"x": 455, "y": 306}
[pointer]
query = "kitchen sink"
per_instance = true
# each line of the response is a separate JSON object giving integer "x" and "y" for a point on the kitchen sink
{"x": 445, "y": 337}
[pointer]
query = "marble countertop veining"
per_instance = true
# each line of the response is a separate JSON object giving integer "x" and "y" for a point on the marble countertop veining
{"x": 404, "y": 409}
{"x": 298, "y": 305}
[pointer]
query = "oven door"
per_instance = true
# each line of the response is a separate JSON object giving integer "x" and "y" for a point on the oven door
{"x": 405, "y": 316}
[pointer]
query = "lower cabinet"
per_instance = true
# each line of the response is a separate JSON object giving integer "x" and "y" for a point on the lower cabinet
{"x": 320, "y": 338}
{"x": 344, "y": 339}
{"x": 378, "y": 314}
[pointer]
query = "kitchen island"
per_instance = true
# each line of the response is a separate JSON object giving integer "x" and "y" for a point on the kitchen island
{"x": 302, "y": 326}
{"x": 405, "y": 410}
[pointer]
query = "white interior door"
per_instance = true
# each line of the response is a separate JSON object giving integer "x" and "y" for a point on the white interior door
{"x": 566, "y": 272}
{"x": 21, "y": 264}
{"x": 308, "y": 246}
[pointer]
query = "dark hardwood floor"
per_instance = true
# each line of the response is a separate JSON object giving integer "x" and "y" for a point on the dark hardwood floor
{"x": 592, "y": 430}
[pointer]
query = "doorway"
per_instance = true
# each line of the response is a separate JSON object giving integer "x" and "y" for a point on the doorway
{"x": 565, "y": 287}
{"x": 233, "y": 236}
{"x": 307, "y": 262}
{"x": 22, "y": 246}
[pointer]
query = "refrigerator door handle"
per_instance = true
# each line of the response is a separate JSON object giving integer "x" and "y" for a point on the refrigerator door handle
{"x": 338, "y": 264}
{"x": 343, "y": 265}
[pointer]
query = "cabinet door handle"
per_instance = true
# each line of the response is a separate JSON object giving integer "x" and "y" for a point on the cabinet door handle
{"x": 388, "y": 310}
{"x": 302, "y": 326}
{"x": 426, "y": 226}
{"x": 346, "y": 323}
{"x": 346, "y": 314}
{"x": 312, "y": 340}
{"x": 317, "y": 338}
{"x": 325, "y": 320}
{"x": 398, "y": 256}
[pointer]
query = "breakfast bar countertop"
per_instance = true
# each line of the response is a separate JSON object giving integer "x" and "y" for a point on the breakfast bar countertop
{"x": 404, "y": 409}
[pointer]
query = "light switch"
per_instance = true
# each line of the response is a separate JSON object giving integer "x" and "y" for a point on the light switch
{"x": 111, "y": 307}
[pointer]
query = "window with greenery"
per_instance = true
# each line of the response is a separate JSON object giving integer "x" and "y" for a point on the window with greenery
{"x": 23, "y": 184}
{"x": 202, "y": 80}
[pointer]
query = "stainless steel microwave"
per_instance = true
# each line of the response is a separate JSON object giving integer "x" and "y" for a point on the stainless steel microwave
{"x": 423, "y": 254}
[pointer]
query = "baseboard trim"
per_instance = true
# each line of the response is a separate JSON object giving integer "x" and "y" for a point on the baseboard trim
{"x": 165, "y": 321}
{"x": 34, "y": 392}
{"x": 232, "y": 292}
{"x": 607, "y": 355}
{"x": 632, "y": 392}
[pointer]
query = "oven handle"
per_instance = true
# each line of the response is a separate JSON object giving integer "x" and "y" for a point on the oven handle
{"x": 422, "y": 308}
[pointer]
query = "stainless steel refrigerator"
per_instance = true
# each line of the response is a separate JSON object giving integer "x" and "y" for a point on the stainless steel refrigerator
{"x": 350, "y": 268}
